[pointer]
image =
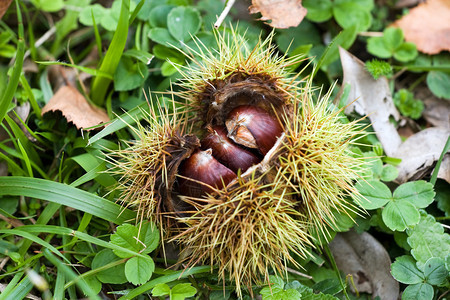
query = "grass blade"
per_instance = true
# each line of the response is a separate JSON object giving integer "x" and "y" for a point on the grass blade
{"x": 65, "y": 195}
{"x": 69, "y": 273}
{"x": 8, "y": 94}
{"x": 112, "y": 57}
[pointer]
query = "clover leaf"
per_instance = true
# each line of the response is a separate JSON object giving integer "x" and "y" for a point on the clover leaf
{"x": 115, "y": 274}
{"x": 391, "y": 44}
{"x": 346, "y": 12}
{"x": 401, "y": 209}
{"x": 138, "y": 270}
{"x": 420, "y": 282}
{"x": 404, "y": 269}
{"x": 143, "y": 238}
{"x": 179, "y": 292}
{"x": 183, "y": 22}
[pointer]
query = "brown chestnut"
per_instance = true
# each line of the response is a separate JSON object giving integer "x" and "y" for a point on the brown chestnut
{"x": 202, "y": 167}
{"x": 227, "y": 152}
{"x": 253, "y": 127}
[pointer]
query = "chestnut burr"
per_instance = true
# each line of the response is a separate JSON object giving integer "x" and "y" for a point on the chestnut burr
{"x": 227, "y": 152}
{"x": 201, "y": 171}
{"x": 253, "y": 127}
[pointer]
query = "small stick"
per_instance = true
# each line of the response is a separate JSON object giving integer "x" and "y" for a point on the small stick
{"x": 224, "y": 13}
{"x": 298, "y": 273}
{"x": 371, "y": 33}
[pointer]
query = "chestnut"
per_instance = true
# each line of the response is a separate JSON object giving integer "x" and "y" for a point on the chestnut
{"x": 253, "y": 127}
{"x": 202, "y": 167}
{"x": 227, "y": 152}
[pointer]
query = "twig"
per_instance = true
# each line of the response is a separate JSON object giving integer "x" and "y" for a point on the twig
{"x": 371, "y": 33}
{"x": 224, "y": 13}
{"x": 298, "y": 273}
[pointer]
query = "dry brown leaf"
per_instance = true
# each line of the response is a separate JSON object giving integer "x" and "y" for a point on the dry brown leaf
{"x": 428, "y": 26}
{"x": 283, "y": 13}
{"x": 373, "y": 98}
{"x": 362, "y": 256}
{"x": 420, "y": 152}
{"x": 4, "y": 5}
{"x": 75, "y": 108}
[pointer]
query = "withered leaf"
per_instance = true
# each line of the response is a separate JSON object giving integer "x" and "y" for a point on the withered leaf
{"x": 4, "y": 4}
{"x": 420, "y": 152}
{"x": 72, "y": 104}
{"x": 428, "y": 26}
{"x": 365, "y": 258}
{"x": 373, "y": 98}
{"x": 283, "y": 13}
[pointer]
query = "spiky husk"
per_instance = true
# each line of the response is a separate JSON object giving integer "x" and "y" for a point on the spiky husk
{"x": 274, "y": 210}
{"x": 259, "y": 222}
{"x": 246, "y": 230}
{"x": 147, "y": 166}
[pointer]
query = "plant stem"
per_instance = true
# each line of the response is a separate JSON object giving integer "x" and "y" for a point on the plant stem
{"x": 335, "y": 268}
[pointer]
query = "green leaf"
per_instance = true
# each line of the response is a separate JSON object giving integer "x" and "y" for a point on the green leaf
{"x": 158, "y": 15}
{"x": 393, "y": 38}
{"x": 66, "y": 195}
{"x": 161, "y": 289}
{"x": 183, "y": 22}
{"x": 165, "y": 279}
{"x": 87, "y": 12}
{"x": 129, "y": 75}
{"x": 376, "y": 46}
{"x": 406, "y": 52}
{"x": 439, "y": 84}
{"x": 374, "y": 193}
{"x": 420, "y": 291}
{"x": 114, "y": 275}
{"x": 404, "y": 270}
{"x": 420, "y": 193}
{"x": 143, "y": 240}
{"x": 389, "y": 173}
{"x": 139, "y": 270}
{"x": 408, "y": 106}
{"x": 162, "y": 36}
{"x": 435, "y": 271}
{"x": 49, "y": 5}
{"x": 344, "y": 39}
{"x": 427, "y": 239}
{"x": 350, "y": 14}
{"x": 318, "y": 10}
{"x": 400, "y": 214}
{"x": 181, "y": 291}
{"x": 276, "y": 290}
{"x": 140, "y": 55}
{"x": 443, "y": 196}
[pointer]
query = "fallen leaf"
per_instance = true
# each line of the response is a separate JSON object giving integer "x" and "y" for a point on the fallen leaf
{"x": 373, "y": 98}
{"x": 283, "y": 13}
{"x": 420, "y": 152}
{"x": 4, "y": 5}
{"x": 427, "y": 25}
{"x": 75, "y": 108}
{"x": 362, "y": 256}
{"x": 437, "y": 112}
